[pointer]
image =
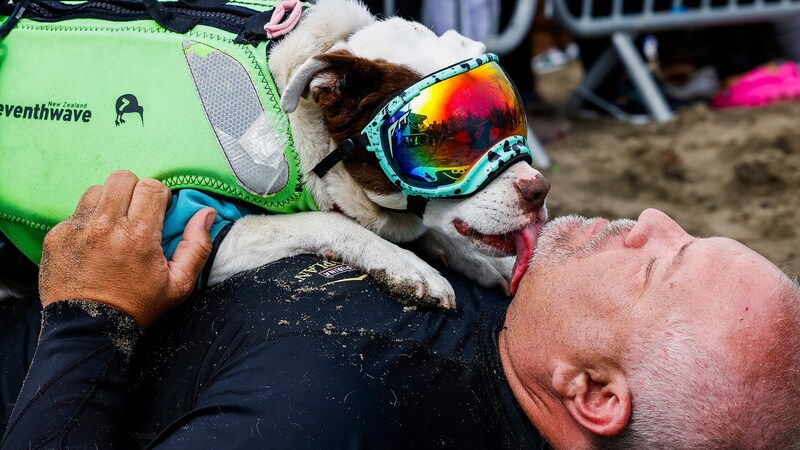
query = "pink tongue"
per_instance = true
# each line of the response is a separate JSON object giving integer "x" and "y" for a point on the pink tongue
{"x": 525, "y": 240}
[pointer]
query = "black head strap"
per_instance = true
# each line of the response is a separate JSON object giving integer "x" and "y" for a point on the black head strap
{"x": 415, "y": 205}
{"x": 345, "y": 149}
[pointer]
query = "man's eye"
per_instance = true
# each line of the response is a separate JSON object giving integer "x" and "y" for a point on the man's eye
{"x": 649, "y": 267}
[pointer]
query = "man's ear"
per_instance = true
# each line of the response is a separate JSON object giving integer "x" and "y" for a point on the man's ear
{"x": 599, "y": 400}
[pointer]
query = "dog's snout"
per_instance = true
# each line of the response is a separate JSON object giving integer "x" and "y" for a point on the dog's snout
{"x": 533, "y": 191}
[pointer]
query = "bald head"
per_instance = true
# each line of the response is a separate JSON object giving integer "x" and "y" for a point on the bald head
{"x": 739, "y": 391}
{"x": 700, "y": 337}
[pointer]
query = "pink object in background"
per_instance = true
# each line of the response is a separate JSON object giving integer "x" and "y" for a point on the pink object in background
{"x": 276, "y": 25}
{"x": 761, "y": 87}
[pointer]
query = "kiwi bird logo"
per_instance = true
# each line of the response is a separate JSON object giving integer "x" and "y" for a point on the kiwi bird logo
{"x": 128, "y": 103}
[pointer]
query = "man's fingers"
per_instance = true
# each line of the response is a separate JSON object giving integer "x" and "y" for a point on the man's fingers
{"x": 149, "y": 202}
{"x": 191, "y": 254}
{"x": 116, "y": 195}
{"x": 88, "y": 201}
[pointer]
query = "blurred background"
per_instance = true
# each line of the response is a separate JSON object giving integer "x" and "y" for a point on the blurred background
{"x": 689, "y": 106}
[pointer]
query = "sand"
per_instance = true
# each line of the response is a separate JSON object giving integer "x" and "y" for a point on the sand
{"x": 733, "y": 173}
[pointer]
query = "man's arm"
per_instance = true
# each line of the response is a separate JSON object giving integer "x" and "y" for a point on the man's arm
{"x": 103, "y": 276}
{"x": 74, "y": 392}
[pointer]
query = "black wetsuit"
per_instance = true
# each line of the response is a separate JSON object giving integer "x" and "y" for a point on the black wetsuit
{"x": 302, "y": 353}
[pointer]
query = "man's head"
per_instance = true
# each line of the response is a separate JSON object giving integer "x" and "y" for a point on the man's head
{"x": 648, "y": 337}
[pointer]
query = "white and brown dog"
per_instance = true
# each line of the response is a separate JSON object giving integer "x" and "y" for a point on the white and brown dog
{"x": 333, "y": 71}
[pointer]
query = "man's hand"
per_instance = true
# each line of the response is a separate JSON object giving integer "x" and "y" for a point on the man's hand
{"x": 109, "y": 250}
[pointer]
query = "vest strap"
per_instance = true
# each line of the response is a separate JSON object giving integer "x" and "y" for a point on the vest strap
{"x": 13, "y": 18}
{"x": 168, "y": 19}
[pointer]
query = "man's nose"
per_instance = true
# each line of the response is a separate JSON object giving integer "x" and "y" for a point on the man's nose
{"x": 654, "y": 224}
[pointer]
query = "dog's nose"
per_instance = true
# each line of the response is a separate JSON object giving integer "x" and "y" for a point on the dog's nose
{"x": 533, "y": 191}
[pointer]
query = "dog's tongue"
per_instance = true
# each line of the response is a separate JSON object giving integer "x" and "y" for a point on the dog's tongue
{"x": 525, "y": 239}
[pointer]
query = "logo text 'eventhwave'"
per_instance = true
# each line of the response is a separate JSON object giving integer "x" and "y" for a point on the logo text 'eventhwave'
{"x": 50, "y": 111}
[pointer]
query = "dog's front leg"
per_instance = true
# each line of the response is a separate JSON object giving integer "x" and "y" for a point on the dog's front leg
{"x": 458, "y": 255}
{"x": 257, "y": 240}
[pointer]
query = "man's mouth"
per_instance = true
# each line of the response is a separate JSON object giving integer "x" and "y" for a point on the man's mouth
{"x": 521, "y": 242}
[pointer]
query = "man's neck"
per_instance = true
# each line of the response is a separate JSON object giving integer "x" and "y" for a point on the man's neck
{"x": 540, "y": 404}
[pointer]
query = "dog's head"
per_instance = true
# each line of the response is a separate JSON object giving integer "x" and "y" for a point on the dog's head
{"x": 333, "y": 91}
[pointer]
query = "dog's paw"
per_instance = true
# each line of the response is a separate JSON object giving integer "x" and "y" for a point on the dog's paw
{"x": 423, "y": 288}
{"x": 409, "y": 279}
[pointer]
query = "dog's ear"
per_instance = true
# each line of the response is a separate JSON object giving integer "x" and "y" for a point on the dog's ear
{"x": 347, "y": 88}
{"x": 298, "y": 84}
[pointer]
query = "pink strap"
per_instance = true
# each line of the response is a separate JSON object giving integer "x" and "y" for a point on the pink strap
{"x": 276, "y": 25}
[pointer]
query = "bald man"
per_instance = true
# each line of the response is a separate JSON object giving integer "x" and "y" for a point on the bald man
{"x": 622, "y": 335}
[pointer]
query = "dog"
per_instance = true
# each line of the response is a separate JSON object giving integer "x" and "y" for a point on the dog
{"x": 333, "y": 71}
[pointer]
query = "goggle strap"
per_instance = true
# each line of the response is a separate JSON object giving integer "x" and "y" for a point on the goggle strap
{"x": 416, "y": 205}
{"x": 342, "y": 151}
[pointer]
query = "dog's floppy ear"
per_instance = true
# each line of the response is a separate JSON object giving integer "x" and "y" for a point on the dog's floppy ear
{"x": 298, "y": 85}
{"x": 335, "y": 71}
{"x": 347, "y": 88}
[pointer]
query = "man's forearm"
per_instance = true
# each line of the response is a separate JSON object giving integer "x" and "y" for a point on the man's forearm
{"x": 73, "y": 395}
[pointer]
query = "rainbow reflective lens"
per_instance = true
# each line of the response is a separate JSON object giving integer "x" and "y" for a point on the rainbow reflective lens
{"x": 451, "y": 132}
{"x": 436, "y": 138}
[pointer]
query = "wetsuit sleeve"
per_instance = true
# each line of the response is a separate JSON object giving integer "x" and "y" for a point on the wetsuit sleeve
{"x": 74, "y": 393}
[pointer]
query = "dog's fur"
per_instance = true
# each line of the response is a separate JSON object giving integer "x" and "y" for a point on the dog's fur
{"x": 333, "y": 70}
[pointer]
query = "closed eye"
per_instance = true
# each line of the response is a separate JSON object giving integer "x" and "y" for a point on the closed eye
{"x": 649, "y": 268}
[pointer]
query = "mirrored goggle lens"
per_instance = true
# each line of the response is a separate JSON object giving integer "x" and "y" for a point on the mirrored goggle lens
{"x": 436, "y": 138}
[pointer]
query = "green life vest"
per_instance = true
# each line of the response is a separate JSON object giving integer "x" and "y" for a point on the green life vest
{"x": 99, "y": 86}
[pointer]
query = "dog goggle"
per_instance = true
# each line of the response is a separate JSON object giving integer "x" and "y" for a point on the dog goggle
{"x": 446, "y": 135}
